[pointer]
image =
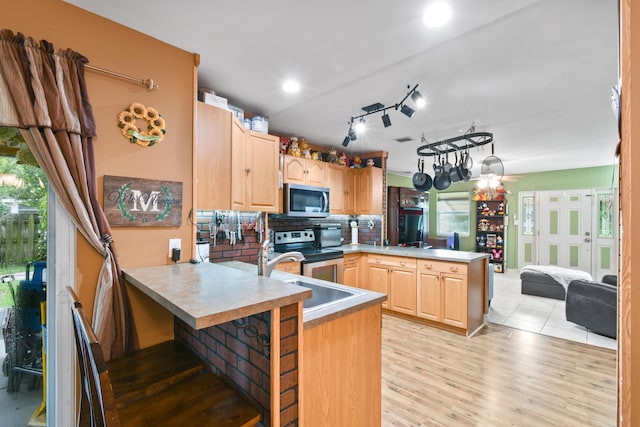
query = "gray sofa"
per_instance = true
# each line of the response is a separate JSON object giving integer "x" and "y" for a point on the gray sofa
{"x": 541, "y": 285}
{"x": 594, "y": 305}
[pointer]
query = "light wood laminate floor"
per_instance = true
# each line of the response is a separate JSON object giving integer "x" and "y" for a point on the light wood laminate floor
{"x": 499, "y": 377}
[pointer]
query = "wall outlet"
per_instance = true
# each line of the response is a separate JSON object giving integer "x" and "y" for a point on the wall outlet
{"x": 174, "y": 244}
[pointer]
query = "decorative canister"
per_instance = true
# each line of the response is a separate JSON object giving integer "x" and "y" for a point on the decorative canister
{"x": 260, "y": 124}
{"x": 246, "y": 123}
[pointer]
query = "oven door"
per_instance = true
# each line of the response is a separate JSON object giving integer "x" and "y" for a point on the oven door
{"x": 331, "y": 270}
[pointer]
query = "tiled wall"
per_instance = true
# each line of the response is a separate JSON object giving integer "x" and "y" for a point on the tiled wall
{"x": 246, "y": 250}
{"x": 242, "y": 354}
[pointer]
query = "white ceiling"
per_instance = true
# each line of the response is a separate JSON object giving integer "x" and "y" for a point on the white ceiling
{"x": 536, "y": 73}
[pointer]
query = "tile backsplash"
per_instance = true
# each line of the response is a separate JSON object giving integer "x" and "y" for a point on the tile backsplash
{"x": 246, "y": 249}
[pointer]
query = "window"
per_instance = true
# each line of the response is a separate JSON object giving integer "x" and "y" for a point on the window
{"x": 453, "y": 214}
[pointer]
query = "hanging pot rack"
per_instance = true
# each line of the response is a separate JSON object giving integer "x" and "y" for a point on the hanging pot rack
{"x": 455, "y": 144}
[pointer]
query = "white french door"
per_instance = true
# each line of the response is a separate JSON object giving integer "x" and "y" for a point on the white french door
{"x": 571, "y": 229}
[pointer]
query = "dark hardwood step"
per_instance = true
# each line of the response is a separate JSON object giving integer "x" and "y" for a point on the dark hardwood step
{"x": 204, "y": 400}
{"x": 151, "y": 370}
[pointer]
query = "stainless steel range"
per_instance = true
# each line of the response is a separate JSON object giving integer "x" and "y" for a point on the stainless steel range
{"x": 320, "y": 247}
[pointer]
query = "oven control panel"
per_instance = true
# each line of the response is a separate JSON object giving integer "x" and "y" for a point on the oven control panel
{"x": 299, "y": 236}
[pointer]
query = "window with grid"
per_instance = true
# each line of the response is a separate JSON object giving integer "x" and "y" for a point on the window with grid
{"x": 453, "y": 214}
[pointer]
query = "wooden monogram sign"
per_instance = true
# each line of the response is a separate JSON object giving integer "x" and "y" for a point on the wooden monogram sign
{"x": 136, "y": 202}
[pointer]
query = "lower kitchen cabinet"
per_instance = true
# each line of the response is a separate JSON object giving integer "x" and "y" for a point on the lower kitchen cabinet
{"x": 352, "y": 270}
{"x": 445, "y": 294}
{"x": 341, "y": 375}
{"x": 395, "y": 276}
{"x": 442, "y": 292}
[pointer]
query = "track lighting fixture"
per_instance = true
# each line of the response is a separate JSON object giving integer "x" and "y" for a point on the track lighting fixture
{"x": 407, "y": 111}
{"x": 418, "y": 99}
{"x": 357, "y": 123}
{"x": 386, "y": 121}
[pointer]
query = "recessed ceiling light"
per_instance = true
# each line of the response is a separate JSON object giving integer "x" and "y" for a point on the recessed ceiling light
{"x": 291, "y": 86}
{"x": 437, "y": 14}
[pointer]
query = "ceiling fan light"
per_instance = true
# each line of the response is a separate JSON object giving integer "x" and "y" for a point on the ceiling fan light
{"x": 407, "y": 111}
{"x": 386, "y": 120}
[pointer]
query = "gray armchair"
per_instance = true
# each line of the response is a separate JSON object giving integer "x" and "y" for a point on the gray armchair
{"x": 594, "y": 305}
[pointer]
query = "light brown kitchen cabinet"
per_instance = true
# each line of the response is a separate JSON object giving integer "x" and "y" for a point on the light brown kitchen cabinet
{"x": 337, "y": 183}
{"x": 366, "y": 195}
{"x": 442, "y": 292}
{"x": 351, "y": 275}
{"x": 350, "y": 200}
{"x": 395, "y": 276}
{"x": 290, "y": 267}
{"x": 235, "y": 168}
{"x": 298, "y": 170}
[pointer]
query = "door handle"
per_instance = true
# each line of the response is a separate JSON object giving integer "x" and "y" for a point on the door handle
{"x": 587, "y": 240}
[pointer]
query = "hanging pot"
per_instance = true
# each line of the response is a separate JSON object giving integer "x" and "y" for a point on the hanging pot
{"x": 421, "y": 180}
{"x": 467, "y": 164}
{"x": 455, "y": 174}
{"x": 442, "y": 181}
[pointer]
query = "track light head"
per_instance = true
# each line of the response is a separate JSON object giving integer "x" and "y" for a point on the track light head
{"x": 346, "y": 141}
{"x": 360, "y": 126}
{"x": 407, "y": 111}
{"x": 386, "y": 120}
{"x": 418, "y": 99}
{"x": 352, "y": 135}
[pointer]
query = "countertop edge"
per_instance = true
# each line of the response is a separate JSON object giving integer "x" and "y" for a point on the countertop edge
{"x": 419, "y": 253}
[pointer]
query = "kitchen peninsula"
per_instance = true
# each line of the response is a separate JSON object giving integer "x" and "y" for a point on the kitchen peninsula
{"x": 235, "y": 319}
{"x": 443, "y": 288}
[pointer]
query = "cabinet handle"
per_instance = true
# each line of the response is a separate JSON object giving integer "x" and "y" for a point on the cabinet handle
{"x": 428, "y": 266}
{"x": 247, "y": 171}
{"x": 403, "y": 263}
{"x": 454, "y": 269}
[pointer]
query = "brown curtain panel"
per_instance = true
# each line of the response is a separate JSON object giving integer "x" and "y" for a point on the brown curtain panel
{"x": 43, "y": 93}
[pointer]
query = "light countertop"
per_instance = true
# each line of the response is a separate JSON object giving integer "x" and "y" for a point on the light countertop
{"x": 412, "y": 252}
{"x": 206, "y": 294}
{"x": 314, "y": 317}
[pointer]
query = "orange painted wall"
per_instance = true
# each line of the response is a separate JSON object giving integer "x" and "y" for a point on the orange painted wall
{"x": 110, "y": 45}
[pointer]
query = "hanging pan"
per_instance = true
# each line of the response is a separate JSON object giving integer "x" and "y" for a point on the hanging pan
{"x": 442, "y": 181}
{"x": 421, "y": 180}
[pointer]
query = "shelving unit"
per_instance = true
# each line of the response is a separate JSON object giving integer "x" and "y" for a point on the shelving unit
{"x": 491, "y": 231}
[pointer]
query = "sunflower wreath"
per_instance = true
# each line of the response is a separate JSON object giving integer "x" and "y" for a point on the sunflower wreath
{"x": 154, "y": 132}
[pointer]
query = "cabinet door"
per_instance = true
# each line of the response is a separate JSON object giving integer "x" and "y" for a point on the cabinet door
{"x": 239, "y": 168}
{"x": 350, "y": 202}
{"x": 262, "y": 178}
{"x": 213, "y": 157}
{"x": 369, "y": 191}
{"x": 351, "y": 269}
{"x": 294, "y": 170}
{"x": 336, "y": 180}
{"x": 454, "y": 300}
{"x": 314, "y": 172}
{"x": 378, "y": 281}
{"x": 403, "y": 290}
{"x": 428, "y": 295}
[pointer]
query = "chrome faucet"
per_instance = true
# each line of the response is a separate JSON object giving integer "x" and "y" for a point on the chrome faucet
{"x": 265, "y": 267}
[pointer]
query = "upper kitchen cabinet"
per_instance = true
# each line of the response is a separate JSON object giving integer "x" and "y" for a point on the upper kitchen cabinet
{"x": 368, "y": 194}
{"x": 298, "y": 170}
{"x": 337, "y": 183}
{"x": 235, "y": 168}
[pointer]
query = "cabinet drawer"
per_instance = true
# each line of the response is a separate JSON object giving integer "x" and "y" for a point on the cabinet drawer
{"x": 351, "y": 260}
{"x": 289, "y": 267}
{"x": 442, "y": 267}
{"x": 393, "y": 261}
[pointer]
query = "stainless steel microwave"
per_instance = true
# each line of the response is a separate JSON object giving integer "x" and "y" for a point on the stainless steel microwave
{"x": 306, "y": 201}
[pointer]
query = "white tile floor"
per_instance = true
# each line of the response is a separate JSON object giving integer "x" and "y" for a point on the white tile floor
{"x": 536, "y": 314}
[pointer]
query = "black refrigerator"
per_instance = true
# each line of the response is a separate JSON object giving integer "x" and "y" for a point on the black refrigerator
{"x": 407, "y": 217}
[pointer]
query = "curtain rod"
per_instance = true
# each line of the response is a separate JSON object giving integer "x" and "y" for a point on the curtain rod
{"x": 148, "y": 83}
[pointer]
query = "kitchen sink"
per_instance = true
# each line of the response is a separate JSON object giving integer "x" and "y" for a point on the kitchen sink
{"x": 323, "y": 295}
